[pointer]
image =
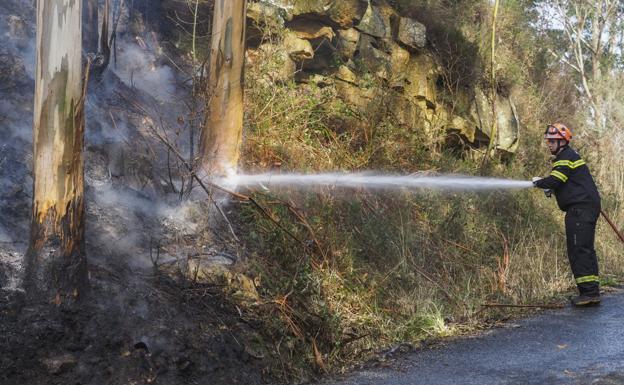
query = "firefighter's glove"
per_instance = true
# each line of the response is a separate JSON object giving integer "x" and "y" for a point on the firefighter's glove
{"x": 534, "y": 180}
{"x": 548, "y": 192}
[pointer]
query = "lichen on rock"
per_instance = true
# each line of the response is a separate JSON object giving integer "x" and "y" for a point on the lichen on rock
{"x": 411, "y": 33}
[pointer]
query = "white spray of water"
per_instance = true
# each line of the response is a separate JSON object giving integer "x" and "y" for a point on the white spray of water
{"x": 376, "y": 181}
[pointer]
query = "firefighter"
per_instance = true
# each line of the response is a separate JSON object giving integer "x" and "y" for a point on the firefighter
{"x": 577, "y": 195}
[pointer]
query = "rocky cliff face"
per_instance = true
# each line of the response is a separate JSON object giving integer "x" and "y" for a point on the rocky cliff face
{"x": 369, "y": 52}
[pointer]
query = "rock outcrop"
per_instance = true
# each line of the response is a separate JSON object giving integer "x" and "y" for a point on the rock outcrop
{"x": 347, "y": 43}
{"x": 507, "y": 120}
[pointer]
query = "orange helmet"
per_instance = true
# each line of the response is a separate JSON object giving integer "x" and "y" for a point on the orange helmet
{"x": 558, "y": 131}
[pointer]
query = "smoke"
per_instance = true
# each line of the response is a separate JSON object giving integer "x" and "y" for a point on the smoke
{"x": 17, "y": 66}
{"x": 132, "y": 202}
{"x": 106, "y": 126}
{"x": 137, "y": 66}
{"x": 4, "y": 236}
{"x": 130, "y": 208}
{"x": 129, "y": 223}
{"x": 18, "y": 34}
{"x": 15, "y": 120}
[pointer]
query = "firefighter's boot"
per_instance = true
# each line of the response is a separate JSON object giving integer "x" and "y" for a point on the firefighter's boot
{"x": 585, "y": 300}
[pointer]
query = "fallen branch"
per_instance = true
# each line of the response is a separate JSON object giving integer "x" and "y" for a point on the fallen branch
{"x": 201, "y": 182}
{"x": 545, "y": 306}
{"x": 279, "y": 225}
{"x": 353, "y": 338}
{"x": 306, "y": 224}
{"x": 204, "y": 185}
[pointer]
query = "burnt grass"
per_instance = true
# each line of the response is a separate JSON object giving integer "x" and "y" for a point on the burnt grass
{"x": 135, "y": 325}
{"x": 130, "y": 328}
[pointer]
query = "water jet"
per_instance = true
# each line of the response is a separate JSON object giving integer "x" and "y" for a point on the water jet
{"x": 375, "y": 181}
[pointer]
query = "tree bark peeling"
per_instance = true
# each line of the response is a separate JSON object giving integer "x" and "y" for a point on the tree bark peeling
{"x": 56, "y": 263}
{"x": 222, "y": 134}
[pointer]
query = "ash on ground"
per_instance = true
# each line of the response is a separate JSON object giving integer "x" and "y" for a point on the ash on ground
{"x": 153, "y": 313}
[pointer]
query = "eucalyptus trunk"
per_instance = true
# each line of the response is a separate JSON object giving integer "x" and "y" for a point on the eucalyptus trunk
{"x": 56, "y": 263}
{"x": 222, "y": 134}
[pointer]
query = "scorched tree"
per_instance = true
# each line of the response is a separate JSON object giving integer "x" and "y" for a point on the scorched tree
{"x": 56, "y": 263}
{"x": 222, "y": 134}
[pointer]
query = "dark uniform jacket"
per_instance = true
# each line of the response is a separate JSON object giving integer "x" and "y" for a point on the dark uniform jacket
{"x": 571, "y": 181}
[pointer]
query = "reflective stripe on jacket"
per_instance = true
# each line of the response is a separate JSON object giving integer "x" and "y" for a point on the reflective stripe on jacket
{"x": 571, "y": 181}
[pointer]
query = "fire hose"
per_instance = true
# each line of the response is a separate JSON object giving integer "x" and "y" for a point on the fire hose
{"x": 619, "y": 234}
{"x": 549, "y": 192}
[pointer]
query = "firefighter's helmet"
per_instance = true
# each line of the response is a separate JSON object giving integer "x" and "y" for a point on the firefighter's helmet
{"x": 558, "y": 131}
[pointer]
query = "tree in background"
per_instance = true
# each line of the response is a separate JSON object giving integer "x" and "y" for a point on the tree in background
{"x": 594, "y": 32}
{"x": 56, "y": 262}
{"x": 222, "y": 133}
{"x": 493, "y": 88}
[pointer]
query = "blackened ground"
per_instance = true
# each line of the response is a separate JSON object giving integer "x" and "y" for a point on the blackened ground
{"x": 136, "y": 325}
{"x": 131, "y": 328}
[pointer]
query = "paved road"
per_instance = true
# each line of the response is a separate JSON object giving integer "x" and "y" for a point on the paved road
{"x": 567, "y": 346}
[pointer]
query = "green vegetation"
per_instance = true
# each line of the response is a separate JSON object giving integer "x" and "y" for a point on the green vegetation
{"x": 343, "y": 274}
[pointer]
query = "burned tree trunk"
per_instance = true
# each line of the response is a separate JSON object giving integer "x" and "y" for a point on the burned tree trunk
{"x": 100, "y": 43}
{"x": 105, "y": 50}
{"x": 56, "y": 263}
{"x": 90, "y": 15}
{"x": 221, "y": 136}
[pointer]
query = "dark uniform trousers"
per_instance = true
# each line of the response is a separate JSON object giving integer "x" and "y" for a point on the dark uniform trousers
{"x": 580, "y": 225}
{"x": 578, "y": 196}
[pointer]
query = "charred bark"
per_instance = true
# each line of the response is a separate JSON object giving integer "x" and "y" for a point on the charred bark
{"x": 56, "y": 262}
{"x": 90, "y": 23}
{"x": 107, "y": 37}
{"x": 222, "y": 134}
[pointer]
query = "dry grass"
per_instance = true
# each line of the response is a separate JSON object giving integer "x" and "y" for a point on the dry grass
{"x": 396, "y": 267}
{"x": 359, "y": 271}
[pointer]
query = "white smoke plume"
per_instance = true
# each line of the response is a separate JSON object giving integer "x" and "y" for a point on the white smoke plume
{"x": 138, "y": 67}
{"x": 127, "y": 205}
